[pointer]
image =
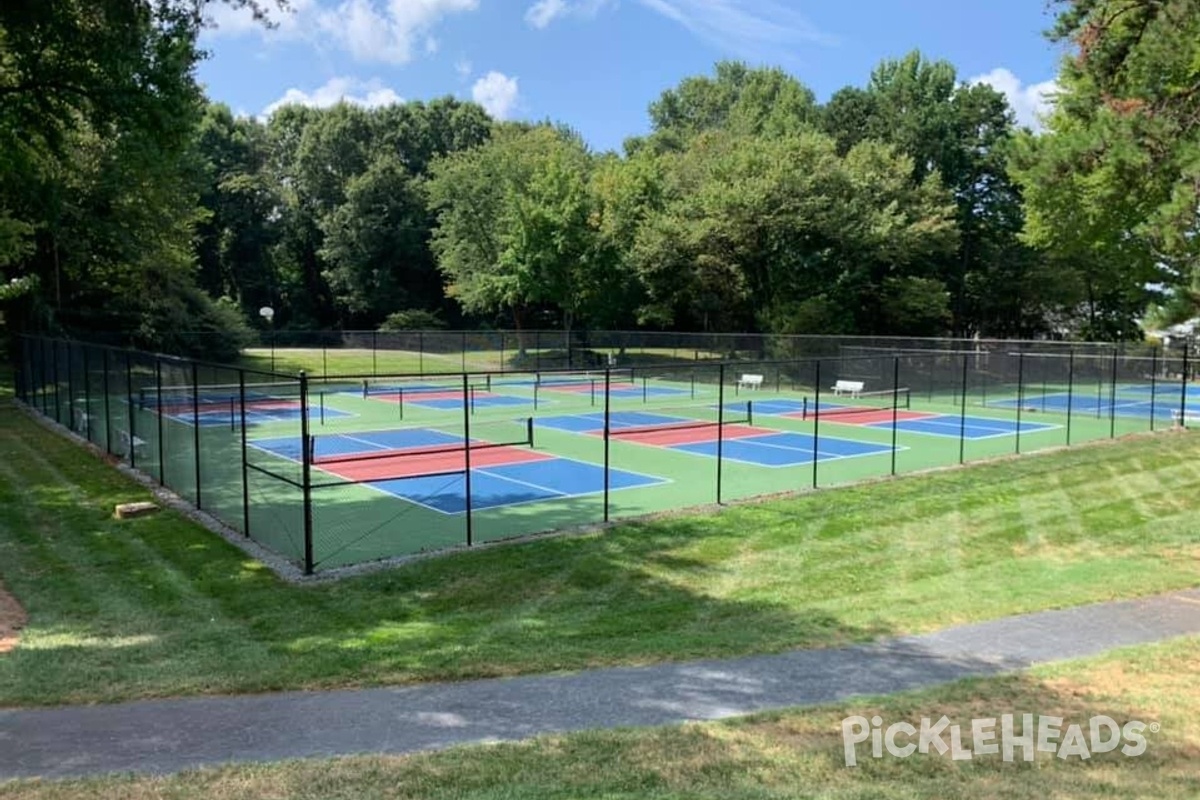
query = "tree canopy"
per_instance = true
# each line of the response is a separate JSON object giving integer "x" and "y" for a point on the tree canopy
{"x": 911, "y": 205}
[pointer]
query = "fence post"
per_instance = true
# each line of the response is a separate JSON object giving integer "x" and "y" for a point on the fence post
{"x": 70, "y": 389}
{"x": 720, "y": 426}
{"x": 107, "y": 409}
{"x": 132, "y": 410}
{"x": 245, "y": 469}
{"x": 1183, "y": 388}
{"x": 467, "y": 456}
{"x": 87, "y": 396}
{"x": 1112, "y": 399}
{"x": 1020, "y": 394}
{"x": 1153, "y": 386}
{"x": 1070, "y": 392}
{"x": 607, "y": 419}
{"x": 962, "y": 420}
{"x": 895, "y": 410}
{"x": 195, "y": 426}
{"x": 305, "y": 473}
{"x": 817, "y": 424}
{"x": 158, "y": 399}
{"x": 464, "y": 351}
{"x": 57, "y": 381}
{"x": 421, "y": 352}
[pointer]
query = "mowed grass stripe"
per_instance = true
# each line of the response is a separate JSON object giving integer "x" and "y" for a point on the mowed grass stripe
{"x": 159, "y": 607}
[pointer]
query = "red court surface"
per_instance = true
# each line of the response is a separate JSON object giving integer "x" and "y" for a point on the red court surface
{"x": 414, "y": 463}
{"x": 862, "y": 416}
{"x": 669, "y": 437}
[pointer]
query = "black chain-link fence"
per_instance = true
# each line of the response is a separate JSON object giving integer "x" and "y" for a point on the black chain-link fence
{"x": 336, "y": 470}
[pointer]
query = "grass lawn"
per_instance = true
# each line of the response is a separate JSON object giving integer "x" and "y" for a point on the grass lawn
{"x": 159, "y": 607}
{"x": 795, "y": 754}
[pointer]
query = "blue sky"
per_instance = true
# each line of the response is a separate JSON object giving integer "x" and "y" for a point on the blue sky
{"x": 597, "y": 64}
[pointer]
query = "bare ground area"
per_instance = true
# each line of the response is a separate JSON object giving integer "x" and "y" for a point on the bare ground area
{"x": 12, "y": 620}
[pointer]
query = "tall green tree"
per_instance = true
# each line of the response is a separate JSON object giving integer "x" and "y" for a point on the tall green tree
{"x": 517, "y": 228}
{"x": 1113, "y": 188}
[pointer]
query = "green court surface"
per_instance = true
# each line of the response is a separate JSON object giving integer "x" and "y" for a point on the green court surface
{"x": 389, "y": 472}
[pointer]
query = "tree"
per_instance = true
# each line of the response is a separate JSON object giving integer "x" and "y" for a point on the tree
{"x": 98, "y": 193}
{"x": 1113, "y": 188}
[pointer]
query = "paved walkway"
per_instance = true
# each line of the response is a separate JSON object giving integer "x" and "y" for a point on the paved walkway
{"x": 170, "y": 735}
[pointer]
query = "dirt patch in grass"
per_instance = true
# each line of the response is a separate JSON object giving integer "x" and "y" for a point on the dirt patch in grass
{"x": 12, "y": 620}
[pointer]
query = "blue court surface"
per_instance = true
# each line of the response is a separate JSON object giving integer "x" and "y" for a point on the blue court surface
{"x": 972, "y": 428}
{"x": 513, "y": 484}
{"x": 215, "y": 417}
{"x": 1162, "y": 405}
{"x": 763, "y": 447}
{"x": 785, "y": 449}
{"x": 500, "y": 476}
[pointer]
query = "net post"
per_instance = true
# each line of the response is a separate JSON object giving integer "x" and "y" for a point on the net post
{"x": 132, "y": 416}
{"x": 195, "y": 426}
{"x": 644, "y": 390}
{"x": 895, "y": 410}
{"x": 321, "y": 400}
{"x": 817, "y": 423}
{"x": 720, "y": 427}
{"x": 307, "y": 449}
{"x": 750, "y": 412}
{"x": 366, "y": 390}
{"x": 693, "y": 383}
{"x": 158, "y": 422}
{"x": 593, "y": 388}
{"x": 467, "y": 457}
{"x": 107, "y": 409}
{"x": 607, "y": 415}
{"x": 400, "y": 400}
{"x": 245, "y": 468}
{"x": 1183, "y": 388}
{"x": 1020, "y": 394}
{"x": 529, "y": 431}
{"x": 1070, "y": 391}
{"x": 962, "y": 420}
{"x": 537, "y": 385}
{"x": 471, "y": 397}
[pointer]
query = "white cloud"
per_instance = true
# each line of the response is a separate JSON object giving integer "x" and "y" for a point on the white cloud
{"x": 227, "y": 20}
{"x": 1029, "y": 103}
{"x": 463, "y": 68}
{"x": 543, "y": 12}
{"x": 392, "y": 32}
{"x": 497, "y": 93}
{"x": 750, "y": 28}
{"x": 369, "y": 94}
{"x": 387, "y": 31}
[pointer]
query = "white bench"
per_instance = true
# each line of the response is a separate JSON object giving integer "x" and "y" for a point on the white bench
{"x": 851, "y": 388}
{"x": 1179, "y": 418}
{"x": 137, "y": 446}
{"x": 750, "y": 382}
